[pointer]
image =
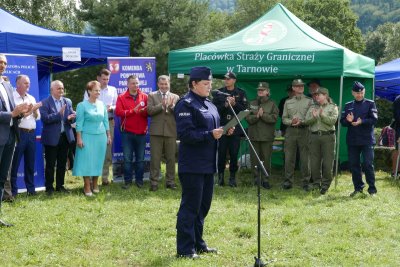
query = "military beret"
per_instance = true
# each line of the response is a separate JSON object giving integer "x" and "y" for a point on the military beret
{"x": 357, "y": 87}
{"x": 230, "y": 75}
{"x": 263, "y": 85}
{"x": 297, "y": 82}
{"x": 202, "y": 73}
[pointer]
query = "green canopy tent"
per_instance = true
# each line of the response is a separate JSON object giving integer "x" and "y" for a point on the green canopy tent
{"x": 277, "y": 48}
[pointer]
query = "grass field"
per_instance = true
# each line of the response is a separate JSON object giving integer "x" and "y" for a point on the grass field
{"x": 136, "y": 227}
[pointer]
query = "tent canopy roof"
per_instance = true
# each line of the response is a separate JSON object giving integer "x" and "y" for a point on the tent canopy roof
{"x": 276, "y": 45}
{"x": 20, "y": 37}
{"x": 387, "y": 79}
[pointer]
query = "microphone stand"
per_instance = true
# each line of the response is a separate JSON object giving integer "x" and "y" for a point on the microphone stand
{"x": 261, "y": 168}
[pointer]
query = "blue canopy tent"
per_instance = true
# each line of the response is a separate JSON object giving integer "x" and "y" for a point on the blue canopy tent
{"x": 387, "y": 80}
{"x": 20, "y": 37}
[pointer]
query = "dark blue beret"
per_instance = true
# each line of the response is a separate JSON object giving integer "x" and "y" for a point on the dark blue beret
{"x": 357, "y": 87}
{"x": 202, "y": 73}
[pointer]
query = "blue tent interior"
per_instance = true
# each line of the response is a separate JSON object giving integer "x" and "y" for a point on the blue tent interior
{"x": 387, "y": 80}
{"x": 20, "y": 37}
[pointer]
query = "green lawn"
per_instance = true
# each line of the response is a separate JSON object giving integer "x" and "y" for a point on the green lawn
{"x": 137, "y": 227}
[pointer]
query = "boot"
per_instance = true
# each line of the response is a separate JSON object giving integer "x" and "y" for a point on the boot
{"x": 221, "y": 181}
{"x": 232, "y": 180}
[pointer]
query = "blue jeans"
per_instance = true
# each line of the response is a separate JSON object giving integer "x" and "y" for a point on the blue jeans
{"x": 133, "y": 143}
{"x": 367, "y": 152}
{"x": 25, "y": 148}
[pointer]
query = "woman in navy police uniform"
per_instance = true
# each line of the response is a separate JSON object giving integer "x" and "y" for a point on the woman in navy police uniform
{"x": 198, "y": 129}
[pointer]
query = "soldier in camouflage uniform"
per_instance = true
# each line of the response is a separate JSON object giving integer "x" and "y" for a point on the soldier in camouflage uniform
{"x": 294, "y": 114}
{"x": 262, "y": 118}
{"x": 321, "y": 118}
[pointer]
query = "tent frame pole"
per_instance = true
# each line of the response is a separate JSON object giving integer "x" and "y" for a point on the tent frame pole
{"x": 338, "y": 132}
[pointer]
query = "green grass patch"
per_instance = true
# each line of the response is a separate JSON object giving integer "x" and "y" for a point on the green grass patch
{"x": 136, "y": 227}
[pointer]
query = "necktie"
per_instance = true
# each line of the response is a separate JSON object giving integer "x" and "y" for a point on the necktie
{"x": 58, "y": 106}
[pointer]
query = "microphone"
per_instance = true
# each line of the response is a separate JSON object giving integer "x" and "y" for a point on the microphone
{"x": 218, "y": 92}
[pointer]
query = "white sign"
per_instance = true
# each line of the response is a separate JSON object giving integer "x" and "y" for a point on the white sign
{"x": 71, "y": 53}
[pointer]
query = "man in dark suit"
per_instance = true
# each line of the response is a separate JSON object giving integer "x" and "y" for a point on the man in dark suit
{"x": 56, "y": 115}
{"x": 9, "y": 115}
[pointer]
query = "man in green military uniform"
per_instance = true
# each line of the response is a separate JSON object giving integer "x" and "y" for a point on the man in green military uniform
{"x": 262, "y": 118}
{"x": 321, "y": 118}
{"x": 294, "y": 114}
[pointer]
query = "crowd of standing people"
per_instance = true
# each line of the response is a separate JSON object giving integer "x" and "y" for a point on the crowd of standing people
{"x": 309, "y": 124}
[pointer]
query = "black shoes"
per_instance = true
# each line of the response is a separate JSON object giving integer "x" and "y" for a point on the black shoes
{"x": 171, "y": 186}
{"x": 207, "y": 250}
{"x": 323, "y": 191}
{"x": 188, "y": 256}
{"x": 31, "y": 193}
{"x": 127, "y": 185}
{"x": 306, "y": 188}
{"x": 221, "y": 181}
{"x": 139, "y": 184}
{"x": 62, "y": 190}
{"x": 266, "y": 185}
{"x": 356, "y": 192}
{"x": 232, "y": 182}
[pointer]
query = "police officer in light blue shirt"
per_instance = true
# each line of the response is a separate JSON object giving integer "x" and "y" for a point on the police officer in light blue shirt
{"x": 360, "y": 117}
{"x": 198, "y": 129}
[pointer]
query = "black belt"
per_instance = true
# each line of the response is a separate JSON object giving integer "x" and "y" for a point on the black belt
{"x": 323, "y": 132}
{"x": 27, "y": 130}
{"x": 111, "y": 118}
{"x": 299, "y": 127}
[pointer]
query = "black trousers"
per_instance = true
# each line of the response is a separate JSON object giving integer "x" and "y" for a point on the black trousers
{"x": 232, "y": 143}
{"x": 56, "y": 155}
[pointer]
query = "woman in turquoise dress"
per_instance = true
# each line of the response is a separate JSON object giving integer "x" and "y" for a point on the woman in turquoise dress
{"x": 92, "y": 138}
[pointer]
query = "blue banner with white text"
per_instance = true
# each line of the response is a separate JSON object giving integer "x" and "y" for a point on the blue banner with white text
{"x": 27, "y": 65}
{"x": 121, "y": 68}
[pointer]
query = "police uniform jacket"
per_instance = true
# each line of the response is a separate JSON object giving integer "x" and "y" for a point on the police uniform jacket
{"x": 326, "y": 121}
{"x": 362, "y": 134}
{"x": 262, "y": 128}
{"x": 296, "y": 106}
{"x": 196, "y": 117}
{"x": 226, "y": 112}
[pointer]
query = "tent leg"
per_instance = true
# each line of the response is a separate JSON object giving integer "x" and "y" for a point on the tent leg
{"x": 338, "y": 133}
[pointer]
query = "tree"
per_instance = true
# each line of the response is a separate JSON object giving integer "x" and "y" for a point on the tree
{"x": 154, "y": 27}
{"x": 57, "y": 15}
{"x": 383, "y": 43}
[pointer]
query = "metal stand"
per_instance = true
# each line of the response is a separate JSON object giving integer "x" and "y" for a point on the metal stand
{"x": 396, "y": 174}
{"x": 3, "y": 223}
{"x": 258, "y": 261}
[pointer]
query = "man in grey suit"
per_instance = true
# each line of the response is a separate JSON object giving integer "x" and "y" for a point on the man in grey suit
{"x": 9, "y": 115}
{"x": 160, "y": 106}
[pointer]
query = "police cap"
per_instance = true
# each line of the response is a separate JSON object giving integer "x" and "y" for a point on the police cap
{"x": 357, "y": 87}
{"x": 202, "y": 73}
{"x": 230, "y": 75}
